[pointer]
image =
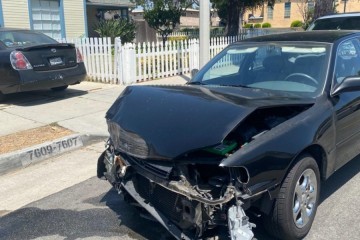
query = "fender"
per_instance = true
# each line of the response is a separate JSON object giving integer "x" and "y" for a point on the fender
{"x": 282, "y": 145}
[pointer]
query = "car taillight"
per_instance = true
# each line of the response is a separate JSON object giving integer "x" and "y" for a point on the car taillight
{"x": 79, "y": 57}
{"x": 19, "y": 61}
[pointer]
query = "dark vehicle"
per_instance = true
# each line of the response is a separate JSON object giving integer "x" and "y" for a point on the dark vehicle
{"x": 345, "y": 21}
{"x": 31, "y": 61}
{"x": 254, "y": 131}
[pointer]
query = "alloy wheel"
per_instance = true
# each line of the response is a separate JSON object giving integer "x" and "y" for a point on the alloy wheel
{"x": 305, "y": 197}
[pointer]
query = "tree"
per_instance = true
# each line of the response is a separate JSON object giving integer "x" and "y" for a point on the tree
{"x": 230, "y": 11}
{"x": 307, "y": 12}
{"x": 116, "y": 28}
{"x": 323, "y": 7}
{"x": 163, "y": 15}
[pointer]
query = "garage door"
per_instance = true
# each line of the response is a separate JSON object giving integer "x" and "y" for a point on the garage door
{"x": 46, "y": 17}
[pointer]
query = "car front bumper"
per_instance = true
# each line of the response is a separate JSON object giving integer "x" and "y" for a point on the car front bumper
{"x": 185, "y": 214}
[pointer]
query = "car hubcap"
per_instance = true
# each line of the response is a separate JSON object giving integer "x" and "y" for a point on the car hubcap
{"x": 304, "y": 198}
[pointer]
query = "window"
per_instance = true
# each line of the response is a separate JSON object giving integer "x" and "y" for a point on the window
{"x": 46, "y": 17}
{"x": 292, "y": 67}
{"x": 19, "y": 38}
{"x": 270, "y": 12}
{"x": 311, "y": 6}
{"x": 347, "y": 60}
{"x": 124, "y": 13}
{"x": 1, "y": 16}
{"x": 226, "y": 66}
{"x": 287, "y": 10}
{"x": 337, "y": 23}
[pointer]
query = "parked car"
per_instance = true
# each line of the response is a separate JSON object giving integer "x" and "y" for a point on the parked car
{"x": 344, "y": 21}
{"x": 254, "y": 131}
{"x": 30, "y": 60}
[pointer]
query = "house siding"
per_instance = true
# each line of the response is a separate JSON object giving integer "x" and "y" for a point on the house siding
{"x": 16, "y": 13}
{"x": 279, "y": 21}
{"x": 74, "y": 18}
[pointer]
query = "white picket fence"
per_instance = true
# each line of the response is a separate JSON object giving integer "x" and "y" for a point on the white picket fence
{"x": 129, "y": 63}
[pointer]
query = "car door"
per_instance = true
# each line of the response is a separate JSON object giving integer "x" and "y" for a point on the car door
{"x": 347, "y": 108}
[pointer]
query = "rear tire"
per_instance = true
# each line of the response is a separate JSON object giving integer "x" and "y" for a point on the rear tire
{"x": 58, "y": 89}
{"x": 296, "y": 204}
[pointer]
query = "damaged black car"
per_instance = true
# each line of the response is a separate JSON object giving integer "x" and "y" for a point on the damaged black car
{"x": 255, "y": 131}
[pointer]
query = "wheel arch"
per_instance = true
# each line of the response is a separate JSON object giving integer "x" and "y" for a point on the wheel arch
{"x": 317, "y": 152}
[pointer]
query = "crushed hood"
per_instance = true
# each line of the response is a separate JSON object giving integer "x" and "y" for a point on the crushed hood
{"x": 164, "y": 122}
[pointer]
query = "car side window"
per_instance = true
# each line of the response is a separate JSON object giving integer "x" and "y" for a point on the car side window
{"x": 347, "y": 60}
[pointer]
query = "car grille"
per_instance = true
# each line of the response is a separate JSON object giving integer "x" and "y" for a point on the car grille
{"x": 161, "y": 171}
{"x": 162, "y": 199}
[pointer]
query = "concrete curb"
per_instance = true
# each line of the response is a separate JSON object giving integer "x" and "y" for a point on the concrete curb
{"x": 24, "y": 157}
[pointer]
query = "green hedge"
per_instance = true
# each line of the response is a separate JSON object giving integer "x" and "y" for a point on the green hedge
{"x": 257, "y": 25}
{"x": 266, "y": 25}
{"x": 248, "y": 25}
{"x": 296, "y": 23}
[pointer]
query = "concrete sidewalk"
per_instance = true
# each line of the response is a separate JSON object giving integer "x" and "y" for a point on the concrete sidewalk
{"x": 81, "y": 109}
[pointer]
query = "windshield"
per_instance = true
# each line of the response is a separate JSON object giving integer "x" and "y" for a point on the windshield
{"x": 336, "y": 23}
{"x": 14, "y": 39}
{"x": 296, "y": 68}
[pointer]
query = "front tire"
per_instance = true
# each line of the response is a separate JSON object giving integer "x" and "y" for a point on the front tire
{"x": 296, "y": 204}
{"x": 59, "y": 89}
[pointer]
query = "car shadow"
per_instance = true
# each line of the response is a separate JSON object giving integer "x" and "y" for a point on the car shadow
{"x": 109, "y": 217}
{"x": 131, "y": 218}
{"x": 39, "y": 97}
{"x": 340, "y": 178}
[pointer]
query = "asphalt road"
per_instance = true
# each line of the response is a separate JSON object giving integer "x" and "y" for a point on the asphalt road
{"x": 91, "y": 209}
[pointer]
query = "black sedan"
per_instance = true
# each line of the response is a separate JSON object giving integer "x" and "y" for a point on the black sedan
{"x": 30, "y": 60}
{"x": 254, "y": 131}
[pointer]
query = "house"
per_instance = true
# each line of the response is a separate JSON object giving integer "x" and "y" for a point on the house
{"x": 188, "y": 19}
{"x": 285, "y": 12}
{"x": 59, "y": 18}
{"x": 106, "y": 9}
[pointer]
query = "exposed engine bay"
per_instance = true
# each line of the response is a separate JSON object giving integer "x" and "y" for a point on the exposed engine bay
{"x": 187, "y": 199}
{"x": 192, "y": 193}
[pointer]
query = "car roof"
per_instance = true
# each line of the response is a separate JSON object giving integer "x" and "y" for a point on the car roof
{"x": 340, "y": 15}
{"x": 327, "y": 36}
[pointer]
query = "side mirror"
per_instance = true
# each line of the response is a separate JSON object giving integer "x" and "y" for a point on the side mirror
{"x": 349, "y": 84}
{"x": 194, "y": 72}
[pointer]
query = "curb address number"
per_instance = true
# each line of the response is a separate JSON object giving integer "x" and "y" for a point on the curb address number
{"x": 53, "y": 148}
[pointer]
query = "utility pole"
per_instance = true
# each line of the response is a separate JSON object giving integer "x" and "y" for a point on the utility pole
{"x": 345, "y": 6}
{"x": 204, "y": 22}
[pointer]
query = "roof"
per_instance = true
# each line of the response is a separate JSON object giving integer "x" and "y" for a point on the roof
{"x": 111, "y": 3}
{"x": 338, "y": 15}
{"x": 310, "y": 36}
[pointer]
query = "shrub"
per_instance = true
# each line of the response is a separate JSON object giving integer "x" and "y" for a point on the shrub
{"x": 296, "y": 23}
{"x": 217, "y": 32}
{"x": 177, "y": 38}
{"x": 266, "y": 25}
{"x": 116, "y": 28}
{"x": 248, "y": 25}
{"x": 189, "y": 30}
{"x": 257, "y": 25}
